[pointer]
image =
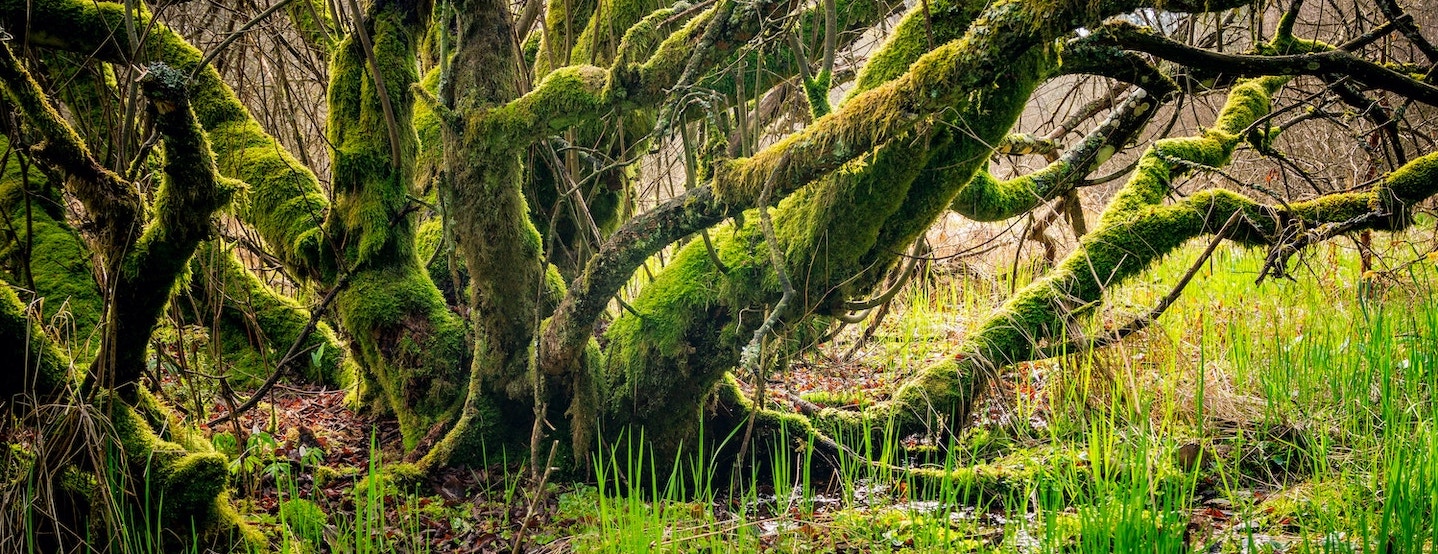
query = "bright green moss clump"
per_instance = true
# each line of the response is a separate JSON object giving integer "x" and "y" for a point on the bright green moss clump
{"x": 34, "y": 364}
{"x": 38, "y": 248}
{"x": 186, "y": 483}
{"x": 946, "y": 19}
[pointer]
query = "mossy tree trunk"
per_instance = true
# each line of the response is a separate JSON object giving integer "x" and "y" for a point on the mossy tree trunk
{"x": 144, "y": 251}
{"x": 254, "y": 324}
{"x": 43, "y": 254}
{"x": 411, "y": 347}
{"x": 840, "y": 235}
{"x": 492, "y": 228}
{"x": 847, "y": 194}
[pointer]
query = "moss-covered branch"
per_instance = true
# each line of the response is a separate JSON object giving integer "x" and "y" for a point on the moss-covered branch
{"x": 839, "y": 234}
{"x": 1322, "y": 62}
{"x": 32, "y": 362}
{"x": 988, "y": 199}
{"x": 565, "y": 334}
{"x": 108, "y": 199}
{"x": 403, "y": 331}
{"x": 938, "y": 80}
{"x": 144, "y": 268}
{"x": 189, "y": 195}
{"x": 42, "y": 253}
{"x": 646, "y": 67}
{"x": 1134, "y": 231}
{"x": 284, "y": 202}
{"x": 183, "y": 476}
{"x": 255, "y": 322}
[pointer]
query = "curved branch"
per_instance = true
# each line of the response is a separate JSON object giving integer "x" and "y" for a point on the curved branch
{"x": 568, "y": 330}
{"x": 988, "y": 199}
{"x": 649, "y": 68}
{"x": 1133, "y": 232}
{"x": 936, "y": 81}
{"x": 34, "y": 363}
{"x": 1341, "y": 62}
{"x": 112, "y": 202}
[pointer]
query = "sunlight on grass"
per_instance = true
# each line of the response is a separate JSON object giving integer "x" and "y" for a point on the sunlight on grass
{"x": 1278, "y": 417}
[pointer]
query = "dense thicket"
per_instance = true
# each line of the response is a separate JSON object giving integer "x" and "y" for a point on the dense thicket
{"x": 462, "y": 246}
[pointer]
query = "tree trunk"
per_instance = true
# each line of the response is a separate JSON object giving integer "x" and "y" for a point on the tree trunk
{"x": 411, "y": 347}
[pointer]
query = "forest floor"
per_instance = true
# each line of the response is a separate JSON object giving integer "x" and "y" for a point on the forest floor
{"x": 1287, "y": 416}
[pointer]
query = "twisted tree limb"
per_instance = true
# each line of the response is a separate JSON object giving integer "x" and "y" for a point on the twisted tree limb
{"x": 1133, "y": 232}
{"x": 1324, "y": 62}
{"x": 935, "y": 81}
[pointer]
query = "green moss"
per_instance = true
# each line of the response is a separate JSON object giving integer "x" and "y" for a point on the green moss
{"x": 837, "y": 398}
{"x": 409, "y": 343}
{"x": 688, "y": 333}
{"x": 157, "y": 262}
{"x": 372, "y": 180}
{"x": 305, "y": 519}
{"x": 39, "y": 250}
{"x": 602, "y": 34}
{"x": 946, "y": 19}
{"x": 564, "y": 20}
{"x": 186, "y": 483}
{"x": 491, "y": 225}
{"x": 1310, "y": 501}
{"x": 988, "y": 199}
{"x": 445, "y": 266}
{"x": 816, "y": 91}
{"x": 570, "y": 91}
{"x": 1414, "y": 181}
{"x": 15, "y": 463}
{"x": 839, "y": 234}
{"x": 284, "y": 203}
{"x": 429, "y": 160}
{"x": 257, "y": 324}
{"x": 89, "y": 93}
{"x": 314, "y": 22}
{"x": 185, "y": 478}
{"x": 1134, "y": 232}
{"x": 42, "y": 369}
{"x": 412, "y": 349}
{"x": 1169, "y": 158}
{"x": 326, "y": 474}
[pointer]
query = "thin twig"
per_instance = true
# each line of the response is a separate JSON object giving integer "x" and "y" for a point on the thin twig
{"x": 296, "y": 350}
{"x": 750, "y": 356}
{"x": 235, "y": 35}
{"x": 534, "y": 501}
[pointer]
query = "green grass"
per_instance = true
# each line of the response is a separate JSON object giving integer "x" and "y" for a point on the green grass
{"x": 1281, "y": 417}
{"x": 1291, "y": 416}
